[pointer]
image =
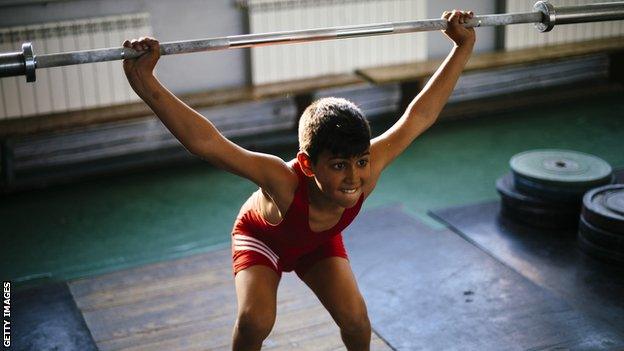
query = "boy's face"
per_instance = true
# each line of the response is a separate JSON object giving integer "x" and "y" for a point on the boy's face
{"x": 342, "y": 179}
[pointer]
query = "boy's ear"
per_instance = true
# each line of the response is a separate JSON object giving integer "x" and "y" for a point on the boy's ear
{"x": 306, "y": 163}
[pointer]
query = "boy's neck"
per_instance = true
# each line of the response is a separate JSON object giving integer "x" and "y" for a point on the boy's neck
{"x": 318, "y": 199}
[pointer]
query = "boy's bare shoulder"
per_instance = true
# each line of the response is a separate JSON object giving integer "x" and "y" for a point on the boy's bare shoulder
{"x": 283, "y": 185}
{"x": 293, "y": 177}
{"x": 292, "y": 182}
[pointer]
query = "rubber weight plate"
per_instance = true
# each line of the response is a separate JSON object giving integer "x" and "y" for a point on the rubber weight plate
{"x": 507, "y": 189}
{"x": 603, "y": 207}
{"x": 600, "y": 237}
{"x": 561, "y": 169}
{"x": 532, "y": 211}
{"x": 598, "y": 251}
{"x": 563, "y": 194}
{"x": 539, "y": 218}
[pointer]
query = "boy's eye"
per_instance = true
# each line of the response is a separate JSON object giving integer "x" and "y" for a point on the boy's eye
{"x": 339, "y": 165}
{"x": 362, "y": 162}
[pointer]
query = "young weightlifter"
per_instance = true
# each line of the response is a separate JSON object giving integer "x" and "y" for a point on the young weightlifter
{"x": 295, "y": 219}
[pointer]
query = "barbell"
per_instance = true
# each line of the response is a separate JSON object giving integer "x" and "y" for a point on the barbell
{"x": 545, "y": 16}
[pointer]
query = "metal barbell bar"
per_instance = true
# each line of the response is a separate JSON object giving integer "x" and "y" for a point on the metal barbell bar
{"x": 545, "y": 16}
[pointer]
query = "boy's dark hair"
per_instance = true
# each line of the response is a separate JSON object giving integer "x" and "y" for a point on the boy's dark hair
{"x": 335, "y": 125}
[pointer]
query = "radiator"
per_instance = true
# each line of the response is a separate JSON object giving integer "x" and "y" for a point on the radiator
{"x": 296, "y": 61}
{"x": 61, "y": 89}
{"x": 522, "y": 36}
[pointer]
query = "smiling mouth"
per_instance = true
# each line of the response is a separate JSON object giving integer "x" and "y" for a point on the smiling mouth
{"x": 349, "y": 191}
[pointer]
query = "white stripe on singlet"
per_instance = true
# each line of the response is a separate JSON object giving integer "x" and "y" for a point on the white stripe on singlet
{"x": 244, "y": 239}
{"x": 243, "y": 242}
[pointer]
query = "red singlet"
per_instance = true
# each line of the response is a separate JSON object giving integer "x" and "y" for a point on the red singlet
{"x": 291, "y": 244}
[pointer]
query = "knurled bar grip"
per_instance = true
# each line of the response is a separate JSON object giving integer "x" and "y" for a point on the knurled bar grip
{"x": 545, "y": 16}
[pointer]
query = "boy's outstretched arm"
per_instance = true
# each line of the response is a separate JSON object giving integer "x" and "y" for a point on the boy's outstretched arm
{"x": 197, "y": 133}
{"x": 425, "y": 108}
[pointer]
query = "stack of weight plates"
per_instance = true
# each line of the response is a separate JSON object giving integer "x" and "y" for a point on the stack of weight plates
{"x": 601, "y": 228}
{"x": 545, "y": 187}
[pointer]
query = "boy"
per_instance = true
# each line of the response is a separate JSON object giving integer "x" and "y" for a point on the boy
{"x": 294, "y": 221}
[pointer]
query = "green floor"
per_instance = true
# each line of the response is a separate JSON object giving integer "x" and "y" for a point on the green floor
{"x": 102, "y": 225}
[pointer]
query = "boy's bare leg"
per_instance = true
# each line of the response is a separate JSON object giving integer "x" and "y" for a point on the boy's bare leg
{"x": 333, "y": 282}
{"x": 256, "y": 292}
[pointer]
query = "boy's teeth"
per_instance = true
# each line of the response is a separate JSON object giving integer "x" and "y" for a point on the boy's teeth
{"x": 348, "y": 190}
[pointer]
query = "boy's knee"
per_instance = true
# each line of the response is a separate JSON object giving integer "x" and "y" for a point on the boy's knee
{"x": 255, "y": 324}
{"x": 355, "y": 322}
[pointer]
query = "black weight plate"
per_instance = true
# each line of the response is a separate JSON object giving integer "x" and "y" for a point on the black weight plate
{"x": 600, "y": 237}
{"x": 614, "y": 202}
{"x": 506, "y": 188}
{"x": 573, "y": 195}
{"x": 599, "y": 252}
{"x": 602, "y": 207}
{"x": 538, "y": 217}
{"x": 561, "y": 168}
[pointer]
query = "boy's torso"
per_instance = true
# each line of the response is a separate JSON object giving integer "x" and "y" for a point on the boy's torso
{"x": 295, "y": 230}
{"x": 294, "y": 218}
{"x": 265, "y": 206}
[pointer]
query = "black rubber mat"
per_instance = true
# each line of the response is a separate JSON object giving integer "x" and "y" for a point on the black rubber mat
{"x": 550, "y": 259}
{"x": 433, "y": 290}
{"x": 46, "y": 318}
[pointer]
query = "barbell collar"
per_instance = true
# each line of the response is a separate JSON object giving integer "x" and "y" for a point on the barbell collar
{"x": 29, "y": 62}
{"x": 19, "y": 63}
{"x": 549, "y": 16}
